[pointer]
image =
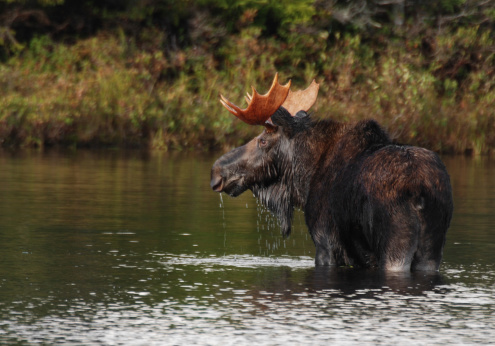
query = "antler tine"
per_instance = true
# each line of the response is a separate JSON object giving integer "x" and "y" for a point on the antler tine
{"x": 232, "y": 108}
{"x": 301, "y": 99}
{"x": 248, "y": 98}
{"x": 260, "y": 107}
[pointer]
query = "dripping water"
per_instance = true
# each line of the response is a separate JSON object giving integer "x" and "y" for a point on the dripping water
{"x": 269, "y": 240}
{"x": 224, "y": 224}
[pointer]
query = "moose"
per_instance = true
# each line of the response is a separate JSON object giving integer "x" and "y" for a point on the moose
{"x": 367, "y": 201}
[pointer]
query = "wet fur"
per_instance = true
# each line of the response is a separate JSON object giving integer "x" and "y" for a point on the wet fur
{"x": 367, "y": 201}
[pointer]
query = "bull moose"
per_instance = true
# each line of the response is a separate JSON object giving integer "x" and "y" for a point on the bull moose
{"x": 367, "y": 201}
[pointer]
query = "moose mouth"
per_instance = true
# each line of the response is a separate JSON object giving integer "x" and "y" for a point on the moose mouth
{"x": 231, "y": 188}
{"x": 217, "y": 184}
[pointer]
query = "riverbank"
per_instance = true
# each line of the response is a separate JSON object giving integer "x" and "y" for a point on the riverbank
{"x": 113, "y": 89}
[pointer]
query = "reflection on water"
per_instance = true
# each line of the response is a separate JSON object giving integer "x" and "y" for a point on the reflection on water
{"x": 130, "y": 248}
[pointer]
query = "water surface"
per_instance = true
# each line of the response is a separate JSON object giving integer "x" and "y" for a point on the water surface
{"x": 122, "y": 248}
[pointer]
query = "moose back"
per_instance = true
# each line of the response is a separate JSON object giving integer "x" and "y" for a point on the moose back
{"x": 367, "y": 201}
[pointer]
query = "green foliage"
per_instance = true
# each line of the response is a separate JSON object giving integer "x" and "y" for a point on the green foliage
{"x": 146, "y": 84}
{"x": 271, "y": 16}
{"x": 450, "y": 6}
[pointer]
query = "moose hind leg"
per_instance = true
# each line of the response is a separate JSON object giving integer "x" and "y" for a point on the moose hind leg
{"x": 432, "y": 240}
{"x": 400, "y": 260}
{"x": 402, "y": 243}
{"x": 324, "y": 256}
{"x": 425, "y": 264}
{"x": 430, "y": 250}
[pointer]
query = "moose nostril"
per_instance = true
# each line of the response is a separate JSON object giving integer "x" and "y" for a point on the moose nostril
{"x": 216, "y": 184}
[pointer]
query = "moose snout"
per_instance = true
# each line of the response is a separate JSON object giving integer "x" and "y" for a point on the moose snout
{"x": 225, "y": 172}
{"x": 216, "y": 182}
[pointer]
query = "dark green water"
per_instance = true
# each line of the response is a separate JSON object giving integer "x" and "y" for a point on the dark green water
{"x": 126, "y": 248}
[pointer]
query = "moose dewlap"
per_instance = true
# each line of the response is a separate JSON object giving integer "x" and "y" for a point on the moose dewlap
{"x": 367, "y": 202}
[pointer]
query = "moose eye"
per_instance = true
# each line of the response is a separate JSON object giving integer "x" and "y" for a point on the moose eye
{"x": 263, "y": 142}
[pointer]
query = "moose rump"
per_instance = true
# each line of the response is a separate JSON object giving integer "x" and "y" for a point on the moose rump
{"x": 367, "y": 201}
{"x": 388, "y": 208}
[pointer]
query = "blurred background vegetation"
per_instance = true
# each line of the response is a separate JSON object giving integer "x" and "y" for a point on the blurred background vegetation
{"x": 147, "y": 73}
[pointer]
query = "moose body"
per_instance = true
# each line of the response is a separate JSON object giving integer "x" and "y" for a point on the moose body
{"x": 367, "y": 201}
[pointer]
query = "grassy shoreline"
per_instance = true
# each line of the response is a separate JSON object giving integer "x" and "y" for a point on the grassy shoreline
{"x": 107, "y": 90}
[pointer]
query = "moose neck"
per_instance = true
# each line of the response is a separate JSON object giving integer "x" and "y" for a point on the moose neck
{"x": 298, "y": 162}
{"x": 312, "y": 146}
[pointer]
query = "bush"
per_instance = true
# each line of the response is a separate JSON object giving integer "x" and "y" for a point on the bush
{"x": 143, "y": 83}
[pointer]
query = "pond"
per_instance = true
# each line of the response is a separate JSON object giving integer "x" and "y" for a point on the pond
{"x": 119, "y": 248}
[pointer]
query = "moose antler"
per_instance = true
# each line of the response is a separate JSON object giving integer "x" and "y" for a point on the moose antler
{"x": 261, "y": 107}
{"x": 301, "y": 99}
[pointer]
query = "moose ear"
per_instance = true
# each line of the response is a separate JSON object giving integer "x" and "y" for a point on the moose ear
{"x": 290, "y": 124}
{"x": 301, "y": 114}
{"x": 281, "y": 117}
{"x": 270, "y": 127}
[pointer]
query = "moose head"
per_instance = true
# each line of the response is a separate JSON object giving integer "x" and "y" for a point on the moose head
{"x": 265, "y": 164}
